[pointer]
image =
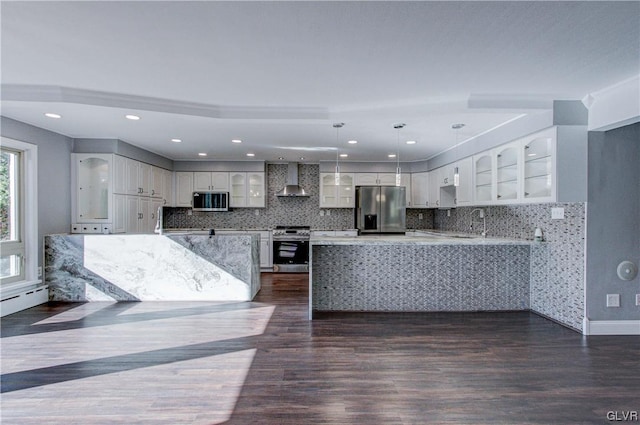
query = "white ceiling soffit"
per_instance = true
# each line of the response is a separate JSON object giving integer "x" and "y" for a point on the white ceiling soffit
{"x": 277, "y": 75}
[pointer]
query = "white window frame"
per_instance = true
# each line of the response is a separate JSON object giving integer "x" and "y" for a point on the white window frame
{"x": 29, "y": 205}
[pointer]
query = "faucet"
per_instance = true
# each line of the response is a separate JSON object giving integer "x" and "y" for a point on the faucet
{"x": 484, "y": 221}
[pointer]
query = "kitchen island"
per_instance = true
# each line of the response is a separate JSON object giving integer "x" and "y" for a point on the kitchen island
{"x": 418, "y": 273}
{"x": 147, "y": 267}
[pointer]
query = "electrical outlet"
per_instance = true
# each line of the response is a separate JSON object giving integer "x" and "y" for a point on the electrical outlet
{"x": 638, "y": 299}
{"x": 189, "y": 212}
{"x": 557, "y": 213}
{"x": 420, "y": 216}
{"x": 257, "y": 212}
{"x": 613, "y": 300}
{"x": 40, "y": 272}
{"x": 321, "y": 213}
{"x": 328, "y": 213}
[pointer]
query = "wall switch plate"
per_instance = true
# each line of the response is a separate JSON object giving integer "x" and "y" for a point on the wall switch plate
{"x": 321, "y": 213}
{"x": 328, "y": 213}
{"x": 638, "y": 299}
{"x": 613, "y": 300}
{"x": 420, "y": 216}
{"x": 557, "y": 213}
{"x": 257, "y": 212}
{"x": 189, "y": 212}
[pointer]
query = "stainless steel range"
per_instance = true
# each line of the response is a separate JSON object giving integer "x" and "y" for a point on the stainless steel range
{"x": 291, "y": 249}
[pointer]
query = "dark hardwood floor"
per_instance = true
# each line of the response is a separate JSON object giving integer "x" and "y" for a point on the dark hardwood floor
{"x": 265, "y": 363}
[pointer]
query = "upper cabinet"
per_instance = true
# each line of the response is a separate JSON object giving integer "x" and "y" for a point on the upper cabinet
{"x": 211, "y": 181}
{"x": 483, "y": 178}
{"x": 464, "y": 190}
{"x": 341, "y": 195}
{"x": 420, "y": 190}
{"x": 247, "y": 189}
{"x": 93, "y": 188}
{"x": 184, "y": 189}
{"x": 375, "y": 179}
{"x": 539, "y": 166}
{"x": 508, "y": 165}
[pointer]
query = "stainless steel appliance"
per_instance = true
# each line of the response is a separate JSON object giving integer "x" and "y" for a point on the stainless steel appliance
{"x": 381, "y": 209}
{"x": 291, "y": 249}
{"x": 210, "y": 201}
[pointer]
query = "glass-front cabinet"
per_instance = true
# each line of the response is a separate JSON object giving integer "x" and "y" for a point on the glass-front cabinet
{"x": 341, "y": 195}
{"x": 247, "y": 189}
{"x": 507, "y": 167}
{"x": 483, "y": 174}
{"x": 539, "y": 155}
{"x": 92, "y": 183}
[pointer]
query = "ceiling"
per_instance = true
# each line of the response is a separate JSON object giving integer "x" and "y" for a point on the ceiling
{"x": 278, "y": 75}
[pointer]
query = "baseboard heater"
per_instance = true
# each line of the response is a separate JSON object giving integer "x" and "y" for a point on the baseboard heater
{"x": 28, "y": 298}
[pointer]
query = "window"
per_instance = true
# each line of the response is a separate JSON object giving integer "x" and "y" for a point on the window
{"x": 18, "y": 215}
{"x": 11, "y": 218}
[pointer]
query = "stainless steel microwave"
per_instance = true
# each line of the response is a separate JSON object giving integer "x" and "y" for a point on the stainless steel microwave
{"x": 210, "y": 201}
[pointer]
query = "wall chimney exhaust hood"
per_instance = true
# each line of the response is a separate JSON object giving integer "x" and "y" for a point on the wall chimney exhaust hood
{"x": 292, "y": 189}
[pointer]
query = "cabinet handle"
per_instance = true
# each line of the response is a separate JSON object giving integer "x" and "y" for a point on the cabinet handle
{"x": 153, "y": 192}
{"x": 455, "y": 201}
{"x": 499, "y": 196}
{"x": 446, "y": 180}
{"x": 526, "y": 146}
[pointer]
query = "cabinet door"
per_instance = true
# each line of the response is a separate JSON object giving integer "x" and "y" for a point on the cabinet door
{"x": 132, "y": 175}
{"x": 220, "y": 182}
{"x": 405, "y": 180}
{"x": 434, "y": 188}
{"x": 346, "y": 192}
{"x": 201, "y": 181}
{"x": 157, "y": 175}
{"x": 464, "y": 191}
{"x": 144, "y": 179}
{"x": 153, "y": 214}
{"x": 387, "y": 179}
{"x": 238, "y": 189}
{"x": 539, "y": 166}
{"x": 445, "y": 175}
{"x": 367, "y": 179}
{"x": 507, "y": 166}
{"x": 328, "y": 190}
{"x": 93, "y": 188}
{"x": 119, "y": 174}
{"x": 256, "y": 190}
{"x": 184, "y": 189}
{"x": 145, "y": 212}
{"x": 420, "y": 190}
{"x": 167, "y": 188}
{"x": 483, "y": 176}
{"x": 132, "y": 215}
{"x": 119, "y": 213}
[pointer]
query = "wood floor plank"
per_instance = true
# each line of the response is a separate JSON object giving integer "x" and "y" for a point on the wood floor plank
{"x": 265, "y": 363}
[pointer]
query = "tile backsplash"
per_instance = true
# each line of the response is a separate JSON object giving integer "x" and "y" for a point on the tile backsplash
{"x": 283, "y": 211}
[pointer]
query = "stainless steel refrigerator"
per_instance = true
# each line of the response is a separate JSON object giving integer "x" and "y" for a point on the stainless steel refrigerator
{"x": 381, "y": 209}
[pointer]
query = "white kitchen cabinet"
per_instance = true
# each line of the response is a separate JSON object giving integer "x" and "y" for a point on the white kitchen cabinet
{"x": 92, "y": 188}
{"x": 144, "y": 179}
{"x": 157, "y": 182}
{"x": 337, "y": 196}
{"x": 211, "y": 181}
{"x": 420, "y": 190}
{"x": 247, "y": 189}
{"x": 507, "y": 167}
{"x": 119, "y": 174}
{"x": 140, "y": 213}
{"x": 184, "y": 189}
{"x": 539, "y": 156}
{"x": 375, "y": 179}
{"x": 483, "y": 179}
{"x": 119, "y": 213}
{"x": 464, "y": 191}
{"x": 167, "y": 189}
{"x": 440, "y": 195}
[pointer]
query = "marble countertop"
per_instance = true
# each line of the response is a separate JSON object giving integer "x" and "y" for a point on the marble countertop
{"x": 205, "y": 231}
{"x": 435, "y": 238}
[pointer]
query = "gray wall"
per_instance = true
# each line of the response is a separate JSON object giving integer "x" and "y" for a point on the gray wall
{"x": 54, "y": 176}
{"x": 613, "y": 221}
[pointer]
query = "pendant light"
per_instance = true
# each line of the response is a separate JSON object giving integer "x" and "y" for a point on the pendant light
{"x": 456, "y": 174}
{"x": 398, "y": 171}
{"x": 337, "y": 126}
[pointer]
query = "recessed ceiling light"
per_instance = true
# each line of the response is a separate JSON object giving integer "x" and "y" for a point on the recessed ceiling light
{"x": 281, "y": 158}
{"x": 344, "y": 155}
{"x": 251, "y": 154}
{"x": 176, "y": 140}
{"x": 352, "y": 142}
{"x": 52, "y": 115}
{"x": 392, "y": 155}
{"x": 202, "y": 154}
{"x": 132, "y": 117}
{"x": 236, "y": 141}
{"x": 302, "y": 158}
{"x": 411, "y": 142}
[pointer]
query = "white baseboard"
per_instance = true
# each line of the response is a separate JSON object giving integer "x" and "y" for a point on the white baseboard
{"x": 23, "y": 300}
{"x": 611, "y": 327}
